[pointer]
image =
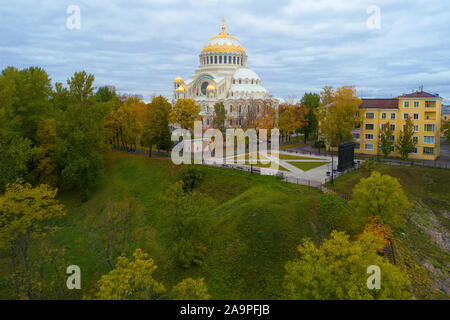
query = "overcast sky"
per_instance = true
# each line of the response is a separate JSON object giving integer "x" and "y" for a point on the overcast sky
{"x": 140, "y": 46}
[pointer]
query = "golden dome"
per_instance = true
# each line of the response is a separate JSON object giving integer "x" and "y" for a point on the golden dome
{"x": 178, "y": 79}
{"x": 181, "y": 89}
{"x": 210, "y": 87}
{"x": 223, "y": 42}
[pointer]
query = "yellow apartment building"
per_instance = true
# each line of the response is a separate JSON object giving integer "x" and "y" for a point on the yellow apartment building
{"x": 423, "y": 108}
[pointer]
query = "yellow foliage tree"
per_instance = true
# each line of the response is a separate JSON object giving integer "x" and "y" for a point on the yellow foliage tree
{"x": 338, "y": 114}
{"x": 191, "y": 289}
{"x": 27, "y": 217}
{"x": 131, "y": 280}
{"x": 185, "y": 112}
{"x": 337, "y": 270}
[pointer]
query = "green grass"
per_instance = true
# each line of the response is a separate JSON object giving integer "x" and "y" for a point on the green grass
{"x": 258, "y": 223}
{"x": 283, "y": 156}
{"x": 305, "y": 166}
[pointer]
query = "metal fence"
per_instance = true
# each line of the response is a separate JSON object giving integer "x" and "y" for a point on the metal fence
{"x": 408, "y": 163}
{"x": 141, "y": 151}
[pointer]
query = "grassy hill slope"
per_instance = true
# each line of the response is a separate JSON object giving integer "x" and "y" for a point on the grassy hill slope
{"x": 258, "y": 223}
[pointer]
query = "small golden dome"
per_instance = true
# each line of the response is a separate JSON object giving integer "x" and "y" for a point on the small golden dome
{"x": 178, "y": 79}
{"x": 181, "y": 89}
{"x": 210, "y": 87}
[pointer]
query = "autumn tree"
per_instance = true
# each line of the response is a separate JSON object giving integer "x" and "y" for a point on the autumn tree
{"x": 386, "y": 142}
{"x": 338, "y": 114}
{"x": 27, "y": 218}
{"x": 185, "y": 112}
{"x": 337, "y": 270}
{"x": 112, "y": 230}
{"x": 251, "y": 114}
{"x": 156, "y": 128}
{"x": 131, "y": 280}
{"x": 266, "y": 119}
{"x": 405, "y": 143}
{"x": 381, "y": 197}
{"x": 80, "y": 137}
{"x": 379, "y": 230}
{"x": 287, "y": 120}
{"x": 44, "y": 171}
{"x": 191, "y": 289}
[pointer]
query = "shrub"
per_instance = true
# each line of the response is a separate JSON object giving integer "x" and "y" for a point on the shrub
{"x": 191, "y": 176}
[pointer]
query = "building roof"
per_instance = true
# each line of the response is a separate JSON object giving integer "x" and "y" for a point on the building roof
{"x": 379, "y": 104}
{"x": 245, "y": 73}
{"x": 420, "y": 94}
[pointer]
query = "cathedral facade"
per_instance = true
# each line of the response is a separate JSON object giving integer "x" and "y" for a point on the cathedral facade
{"x": 223, "y": 76}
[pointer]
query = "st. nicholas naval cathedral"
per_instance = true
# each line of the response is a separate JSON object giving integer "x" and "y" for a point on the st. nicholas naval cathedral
{"x": 223, "y": 76}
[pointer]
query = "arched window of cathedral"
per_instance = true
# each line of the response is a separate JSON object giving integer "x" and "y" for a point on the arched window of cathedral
{"x": 237, "y": 60}
{"x": 225, "y": 59}
{"x": 229, "y": 59}
{"x": 240, "y": 81}
{"x": 215, "y": 59}
{"x": 220, "y": 59}
{"x": 234, "y": 59}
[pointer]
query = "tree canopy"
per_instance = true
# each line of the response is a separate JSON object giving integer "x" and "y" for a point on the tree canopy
{"x": 337, "y": 270}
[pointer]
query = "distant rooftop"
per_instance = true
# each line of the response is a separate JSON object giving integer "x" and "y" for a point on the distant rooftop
{"x": 420, "y": 94}
{"x": 379, "y": 104}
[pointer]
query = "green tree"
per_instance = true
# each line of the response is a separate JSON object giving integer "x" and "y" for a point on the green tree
{"x": 105, "y": 94}
{"x": 44, "y": 170}
{"x": 405, "y": 143}
{"x": 191, "y": 289}
{"x": 30, "y": 91}
{"x": 381, "y": 197}
{"x": 386, "y": 142}
{"x": 80, "y": 137}
{"x": 27, "y": 218}
{"x": 219, "y": 116}
{"x": 338, "y": 215}
{"x": 156, "y": 128}
{"x": 446, "y": 130}
{"x": 311, "y": 101}
{"x": 337, "y": 270}
{"x": 15, "y": 153}
{"x": 131, "y": 280}
{"x": 113, "y": 231}
{"x": 188, "y": 217}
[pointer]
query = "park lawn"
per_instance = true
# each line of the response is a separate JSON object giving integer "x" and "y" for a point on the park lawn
{"x": 291, "y": 145}
{"x": 305, "y": 166}
{"x": 258, "y": 223}
{"x": 283, "y": 156}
